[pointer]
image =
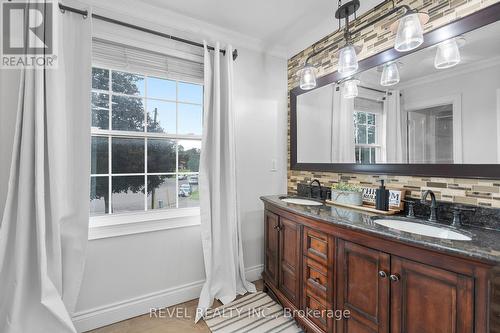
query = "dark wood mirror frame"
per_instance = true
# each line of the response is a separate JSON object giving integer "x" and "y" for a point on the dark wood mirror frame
{"x": 474, "y": 21}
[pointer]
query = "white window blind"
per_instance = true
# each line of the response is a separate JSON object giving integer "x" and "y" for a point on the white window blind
{"x": 368, "y": 105}
{"x": 185, "y": 67}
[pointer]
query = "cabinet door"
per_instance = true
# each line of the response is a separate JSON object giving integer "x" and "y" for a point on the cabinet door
{"x": 271, "y": 240}
{"x": 363, "y": 288}
{"x": 425, "y": 299}
{"x": 289, "y": 273}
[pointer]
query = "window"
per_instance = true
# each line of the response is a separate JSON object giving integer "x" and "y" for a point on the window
{"x": 366, "y": 124}
{"x": 146, "y": 142}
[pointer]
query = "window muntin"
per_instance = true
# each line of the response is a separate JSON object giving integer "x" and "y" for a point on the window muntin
{"x": 146, "y": 142}
{"x": 367, "y": 147}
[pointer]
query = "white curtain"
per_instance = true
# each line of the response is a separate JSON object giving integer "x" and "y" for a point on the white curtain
{"x": 343, "y": 144}
{"x": 392, "y": 133}
{"x": 44, "y": 226}
{"x": 220, "y": 221}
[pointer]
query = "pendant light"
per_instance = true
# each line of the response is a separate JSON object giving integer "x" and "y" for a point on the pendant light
{"x": 348, "y": 60}
{"x": 447, "y": 54}
{"x": 410, "y": 34}
{"x": 350, "y": 88}
{"x": 390, "y": 74}
{"x": 308, "y": 77}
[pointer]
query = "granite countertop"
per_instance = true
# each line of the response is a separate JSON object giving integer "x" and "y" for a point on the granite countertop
{"x": 485, "y": 243}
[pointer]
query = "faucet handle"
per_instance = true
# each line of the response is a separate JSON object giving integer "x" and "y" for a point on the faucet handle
{"x": 411, "y": 205}
{"x": 457, "y": 214}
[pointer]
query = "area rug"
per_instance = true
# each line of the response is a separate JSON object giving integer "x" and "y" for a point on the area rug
{"x": 255, "y": 313}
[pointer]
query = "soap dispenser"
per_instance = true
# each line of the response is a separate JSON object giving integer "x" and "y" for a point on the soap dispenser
{"x": 382, "y": 197}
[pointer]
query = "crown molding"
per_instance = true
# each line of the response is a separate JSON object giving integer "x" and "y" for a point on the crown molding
{"x": 153, "y": 17}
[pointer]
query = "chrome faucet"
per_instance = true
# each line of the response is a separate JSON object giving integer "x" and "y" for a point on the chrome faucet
{"x": 311, "y": 188}
{"x": 433, "y": 217}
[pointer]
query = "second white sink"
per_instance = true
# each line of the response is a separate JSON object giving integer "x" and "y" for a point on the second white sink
{"x": 423, "y": 229}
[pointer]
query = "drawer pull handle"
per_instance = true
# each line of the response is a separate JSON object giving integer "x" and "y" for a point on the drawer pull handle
{"x": 382, "y": 274}
{"x": 394, "y": 277}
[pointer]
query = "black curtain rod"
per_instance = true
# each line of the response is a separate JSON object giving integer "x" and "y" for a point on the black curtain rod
{"x": 85, "y": 13}
{"x": 376, "y": 90}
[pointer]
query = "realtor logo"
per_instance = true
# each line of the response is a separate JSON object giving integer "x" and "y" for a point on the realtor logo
{"x": 28, "y": 34}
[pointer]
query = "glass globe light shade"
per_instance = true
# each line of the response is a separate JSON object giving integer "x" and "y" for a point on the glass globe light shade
{"x": 350, "y": 89}
{"x": 447, "y": 55}
{"x": 308, "y": 78}
{"x": 390, "y": 75}
{"x": 410, "y": 34}
{"x": 348, "y": 60}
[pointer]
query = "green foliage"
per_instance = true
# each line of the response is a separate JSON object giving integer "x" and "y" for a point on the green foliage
{"x": 189, "y": 160}
{"x": 346, "y": 187}
{"x": 127, "y": 114}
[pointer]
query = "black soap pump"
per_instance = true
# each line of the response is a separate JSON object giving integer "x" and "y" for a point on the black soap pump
{"x": 382, "y": 197}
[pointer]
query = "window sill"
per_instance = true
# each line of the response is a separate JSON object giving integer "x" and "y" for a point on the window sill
{"x": 134, "y": 223}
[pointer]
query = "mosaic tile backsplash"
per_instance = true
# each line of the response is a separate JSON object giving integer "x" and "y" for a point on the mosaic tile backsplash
{"x": 475, "y": 192}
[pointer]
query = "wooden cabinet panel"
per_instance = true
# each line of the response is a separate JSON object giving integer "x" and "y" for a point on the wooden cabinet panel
{"x": 316, "y": 245}
{"x": 316, "y": 279}
{"x": 271, "y": 236}
{"x": 318, "y": 309}
{"x": 362, "y": 288}
{"x": 289, "y": 273}
{"x": 425, "y": 299}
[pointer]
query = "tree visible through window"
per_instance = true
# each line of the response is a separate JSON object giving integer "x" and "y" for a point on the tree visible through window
{"x": 146, "y": 142}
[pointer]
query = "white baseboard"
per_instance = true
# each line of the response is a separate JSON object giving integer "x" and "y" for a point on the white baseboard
{"x": 115, "y": 312}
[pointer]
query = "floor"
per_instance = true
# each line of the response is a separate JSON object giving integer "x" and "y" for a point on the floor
{"x": 184, "y": 323}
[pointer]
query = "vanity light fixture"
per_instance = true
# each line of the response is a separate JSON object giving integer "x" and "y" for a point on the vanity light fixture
{"x": 350, "y": 88}
{"x": 410, "y": 33}
{"x": 348, "y": 60}
{"x": 390, "y": 74}
{"x": 308, "y": 77}
{"x": 448, "y": 53}
{"x": 409, "y": 36}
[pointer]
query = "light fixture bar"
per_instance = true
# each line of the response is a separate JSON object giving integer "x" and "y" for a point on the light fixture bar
{"x": 378, "y": 19}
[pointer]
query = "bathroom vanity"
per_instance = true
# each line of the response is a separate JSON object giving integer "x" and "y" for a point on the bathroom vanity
{"x": 320, "y": 257}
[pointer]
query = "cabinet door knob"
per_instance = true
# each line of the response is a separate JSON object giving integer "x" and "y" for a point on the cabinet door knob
{"x": 382, "y": 274}
{"x": 394, "y": 277}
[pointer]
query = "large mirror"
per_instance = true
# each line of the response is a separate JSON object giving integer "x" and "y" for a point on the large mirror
{"x": 437, "y": 106}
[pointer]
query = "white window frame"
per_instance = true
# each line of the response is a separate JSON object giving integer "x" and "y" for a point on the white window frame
{"x": 119, "y": 224}
{"x": 375, "y": 145}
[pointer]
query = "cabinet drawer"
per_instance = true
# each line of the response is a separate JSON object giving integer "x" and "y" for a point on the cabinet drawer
{"x": 316, "y": 245}
{"x": 319, "y": 314}
{"x": 316, "y": 278}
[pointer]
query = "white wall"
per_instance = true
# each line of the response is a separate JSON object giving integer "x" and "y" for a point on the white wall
{"x": 478, "y": 90}
{"x": 127, "y": 275}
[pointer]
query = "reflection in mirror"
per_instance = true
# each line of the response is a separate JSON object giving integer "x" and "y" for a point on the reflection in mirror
{"x": 440, "y": 105}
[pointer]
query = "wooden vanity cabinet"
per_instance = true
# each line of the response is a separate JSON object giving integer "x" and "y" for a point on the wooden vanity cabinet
{"x": 363, "y": 288}
{"x": 387, "y": 293}
{"x": 282, "y": 256}
{"x": 387, "y": 286}
{"x": 271, "y": 242}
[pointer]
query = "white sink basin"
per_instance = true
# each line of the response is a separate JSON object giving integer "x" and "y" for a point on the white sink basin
{"x": 303, "y": 202}
{"x": 423, "y": 229}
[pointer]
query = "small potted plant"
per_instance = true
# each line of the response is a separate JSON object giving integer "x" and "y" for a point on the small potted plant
{"x": 344, "y": 193}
